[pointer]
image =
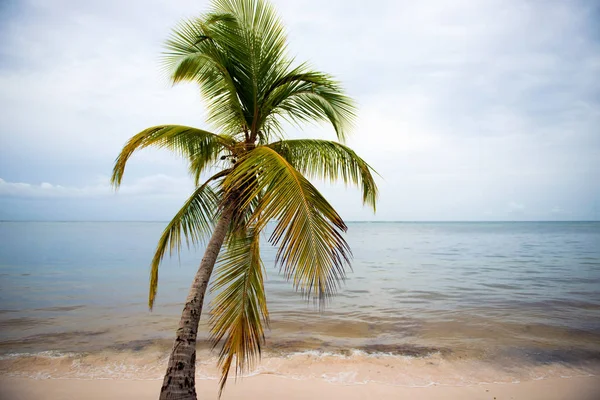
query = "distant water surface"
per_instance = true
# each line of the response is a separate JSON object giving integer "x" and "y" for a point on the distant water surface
{"x": 504, "y": 293}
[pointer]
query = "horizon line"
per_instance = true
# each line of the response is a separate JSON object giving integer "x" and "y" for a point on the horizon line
{"x": 348, "y": 221}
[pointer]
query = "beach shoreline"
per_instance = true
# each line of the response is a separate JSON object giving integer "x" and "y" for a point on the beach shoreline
{"x": 353, "y": 367}
{"x": 269, "y": 387}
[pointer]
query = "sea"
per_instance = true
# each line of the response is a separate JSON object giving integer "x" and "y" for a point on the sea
{"x": 425, "y": 303}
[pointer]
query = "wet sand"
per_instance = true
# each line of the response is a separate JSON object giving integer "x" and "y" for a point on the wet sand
{"x": 350, "y": 368}
{"x": 271, "y": 387}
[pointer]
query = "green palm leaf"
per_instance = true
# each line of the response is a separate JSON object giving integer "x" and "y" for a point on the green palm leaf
{"x": 239, "y": 309}
{"x": 312, "y": 250}
{"x": 200, "y": 147}
{"x": 195, "y": 53}
{"x": 257, "y": 46}
{"x": 302, "y": 96}
{"x": 331, "y": 161}
{"x": 194, "y": 222}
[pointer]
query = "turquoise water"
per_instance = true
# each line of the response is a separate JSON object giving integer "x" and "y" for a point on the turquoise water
{"x": 481, "y": 290}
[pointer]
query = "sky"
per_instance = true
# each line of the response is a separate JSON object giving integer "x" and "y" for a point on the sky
{"x": 468, "y": 110}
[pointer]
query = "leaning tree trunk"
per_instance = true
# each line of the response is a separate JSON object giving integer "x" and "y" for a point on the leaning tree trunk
{"x": 179, "y": 382}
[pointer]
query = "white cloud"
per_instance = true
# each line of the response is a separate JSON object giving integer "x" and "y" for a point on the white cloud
{"x": 515, "y": 207}
{"x": 155, "y": 185}
{"x": 557, "y": 210}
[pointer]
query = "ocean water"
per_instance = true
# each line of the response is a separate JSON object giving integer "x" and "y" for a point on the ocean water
{"x": 425, "y": 303}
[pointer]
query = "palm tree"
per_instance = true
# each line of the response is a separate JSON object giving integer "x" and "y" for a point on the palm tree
{"x": 237, "y": 54}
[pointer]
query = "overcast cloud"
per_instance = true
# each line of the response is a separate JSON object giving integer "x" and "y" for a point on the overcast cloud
{"x": 469, "y": 110}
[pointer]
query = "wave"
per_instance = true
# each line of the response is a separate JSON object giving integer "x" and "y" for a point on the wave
{"x": 352, "y": 367}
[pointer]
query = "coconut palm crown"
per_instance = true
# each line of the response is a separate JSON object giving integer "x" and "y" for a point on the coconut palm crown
{"x": 237, "y": 55}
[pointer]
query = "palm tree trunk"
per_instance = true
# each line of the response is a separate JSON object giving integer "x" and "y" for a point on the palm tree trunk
{"x": 179, "y": 382}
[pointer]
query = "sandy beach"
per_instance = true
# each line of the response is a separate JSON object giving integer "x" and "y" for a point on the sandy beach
{"x": 272, "y": 387}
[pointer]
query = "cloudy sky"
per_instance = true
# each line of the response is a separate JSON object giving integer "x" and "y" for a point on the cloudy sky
{"x": 469, "y": 110}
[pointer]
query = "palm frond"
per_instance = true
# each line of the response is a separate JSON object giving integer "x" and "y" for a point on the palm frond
{"x": 302, "y": 96}
{"x": 257, "y": 47}
{"x": 312, "y": 251}
{"x": 198, "y": 146}
{"x": 239, "y": 309}
{"x": 233, "y": 52}
{"x": 194, "y": 53}
{"x": 193, "y": 222}
{"x": 238, "y": 55}
{"x": 331, "y": 161}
